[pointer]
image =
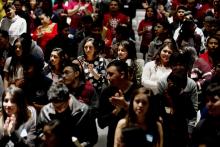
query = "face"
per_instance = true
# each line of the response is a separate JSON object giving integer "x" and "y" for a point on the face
{"x": 122, "y": 53}
{"x": 3, "y": 42}
{"x": 113, "y": 76}
{"x": 33, "y": 3}
{"x": 140, "y": 105}
{"x": 158, "y": 29}
{"x": 212, "y": 45}
{"x": 149, "y": 12}
{"x": 89, "y": 48}
{"x": 10, "y": 13}
{"x": 165, "y": 54}
{"x": 69, "y": 75}
{"x": 29, "y": 72}
{"x": 180, "y": 14}
{"x": 54, "y": 58}
{"x": 213, "y": 105}
{"x": 9, "y": 105}
{"x": 49, "y": 137}
{"x": 18, "y": 5}
{"x": 65, "y": 32}
{"x": 45, "y": 20}
{"x": 18, "y": 48}
{"x": 113, "y": 6}
{"x": 60, "y": 106}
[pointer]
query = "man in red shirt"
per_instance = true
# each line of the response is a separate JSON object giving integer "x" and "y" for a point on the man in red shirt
{"x": 113, "y": 18}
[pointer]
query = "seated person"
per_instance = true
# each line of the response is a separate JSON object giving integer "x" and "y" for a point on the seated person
{"x": 74, "y": 114}
{"x": 206, "y": 133}
{"x": 17, "y": 120}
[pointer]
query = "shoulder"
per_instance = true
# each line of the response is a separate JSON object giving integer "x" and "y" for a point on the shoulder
{"x": 121, "y": 123}
{"x": 151, "y": 63}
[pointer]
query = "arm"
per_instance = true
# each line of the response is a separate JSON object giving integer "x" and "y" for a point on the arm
{"x": 23, "y": 27}
{"x": 194, "y": 99}
{"x": 118, "y": 133}
{"x": 141, "y": 28}
{"x": 73, "y": 11}
{"x": 160, "y": 134}
{"x": 146, "y": 76}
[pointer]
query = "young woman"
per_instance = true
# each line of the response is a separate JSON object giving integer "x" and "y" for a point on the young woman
{"x": 46, "y": 31}
{"x": 17, "y": 120}
{"x": 127, "y": 53}
{"x": 13, "y": 70}
{"x": 56, "y": 64}
{"x": 145, "y": 29}
{"x": 93, "y": 64}
{"x": 154, "y": 70}
{"x": 142, "y": 123}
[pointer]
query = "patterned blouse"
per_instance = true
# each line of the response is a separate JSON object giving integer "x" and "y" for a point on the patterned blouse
{"x": 99, "y": 65}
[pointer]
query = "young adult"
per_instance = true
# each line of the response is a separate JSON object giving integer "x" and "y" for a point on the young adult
{"x": 154, "y": 70}
{"x": 93, "y": 64}
{"x": 36, "y": 83}
{"x": 13, "y": 70}
{"x": 179, "y": 85}
{"x": 45, "y": 32}
{"x": 76, "y": 116}
{"x": 127, "y": 53}
{"x": 114, "y": 99}
{"x": 207, "y": 130}
{"x": 68, "y": 44}
{"x": 74, "y": 79}
{"x": 76, "y": 9}
{"x": 56, "y": 64}
{"x": 12, "y": 23}
{"x": 114, "y": 17}
{"x": 176, "y": 109}
{"x": 161, "y": 30}
{"x": 145, "y": 29}
{"x": 17, "y": 120}
{"x": 141, "y": 120}
{"x": 5, "y": 49}
{"x": 203, "y": 66}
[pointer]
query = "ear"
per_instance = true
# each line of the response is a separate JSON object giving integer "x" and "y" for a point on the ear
{"x": 122, "y": 75}
{"x": 76, "y": 73}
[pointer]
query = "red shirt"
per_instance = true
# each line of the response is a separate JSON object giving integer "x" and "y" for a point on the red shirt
{"x": 49, "y": 33}
{"x": 147, "y": 37}
{"x": 111, "y": 22}
{"x": 76, "y": 18}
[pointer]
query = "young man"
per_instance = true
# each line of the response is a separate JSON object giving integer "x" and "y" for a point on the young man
{"x": 114, "y": 99}
{"x": 73, "y": 114}
{"x": 74, "y": 79}
{"x": 13, "y": 24}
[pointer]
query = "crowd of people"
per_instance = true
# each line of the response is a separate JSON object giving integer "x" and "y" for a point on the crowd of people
{"x": 68, "y": 65}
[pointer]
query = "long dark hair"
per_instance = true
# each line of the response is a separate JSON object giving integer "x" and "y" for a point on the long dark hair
{"x": 25, "y": 46}
{"x": 130, "y": 48}
{"x": 151, "y": 117}
{"x": 19, "y": 99}
{"x": 154, "y": 18}
{"x": 61, "y": 55}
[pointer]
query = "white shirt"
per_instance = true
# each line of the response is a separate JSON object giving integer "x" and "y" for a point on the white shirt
{"x": 152, "y": 74}
{"x": 15, "y": 27}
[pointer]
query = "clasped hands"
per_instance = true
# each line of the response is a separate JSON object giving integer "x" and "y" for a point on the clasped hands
{"x": 119, "y": 102}
{"x": 9, "y": 125}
